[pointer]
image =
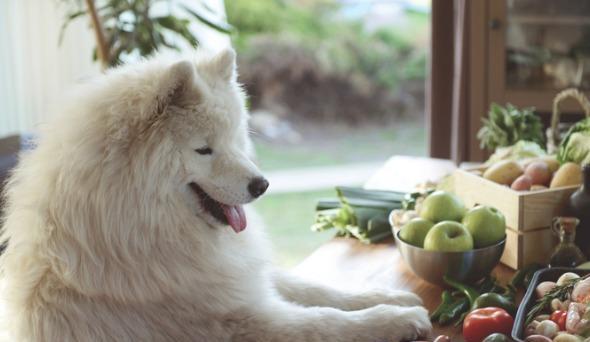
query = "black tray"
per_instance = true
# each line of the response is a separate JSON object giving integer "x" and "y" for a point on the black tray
{"x": 529, "y": 299}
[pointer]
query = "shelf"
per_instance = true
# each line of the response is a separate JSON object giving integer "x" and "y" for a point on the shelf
{"x": 549, "y": 20}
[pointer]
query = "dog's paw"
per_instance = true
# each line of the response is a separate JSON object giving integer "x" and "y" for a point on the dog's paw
{"x": 414, "y": 323}
{"x": 389, "y": 297}
{"x": 397, "y": 323}
{"x": 402, "y": 298}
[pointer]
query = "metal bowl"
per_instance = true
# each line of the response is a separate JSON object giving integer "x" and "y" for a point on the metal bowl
{"x": 432, "y": 266}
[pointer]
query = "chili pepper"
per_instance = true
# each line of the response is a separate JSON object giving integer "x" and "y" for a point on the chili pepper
{"x": 459, "y": 321}
{"x": 446, "y": 301}
{"x": 458, "y": 307}
{"x": 523, "y": 276}
{"x": 509, "y": 293}
{"x": 487, "y": 284}
{"x": 480, "y": 323}
{"x": 469, "y": 291}
{"x": 494, "y": 300}
{"x": 559, "y": 317}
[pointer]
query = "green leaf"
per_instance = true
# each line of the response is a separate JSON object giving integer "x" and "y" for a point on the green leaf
{"x": 218, "y": 26}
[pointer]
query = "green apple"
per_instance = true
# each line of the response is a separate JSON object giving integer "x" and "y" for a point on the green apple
{"x": 442, "y": 206}
{"x": 415, "y": 231}
{"x": 448, "y": 236}
{"x": 487, "y": 225}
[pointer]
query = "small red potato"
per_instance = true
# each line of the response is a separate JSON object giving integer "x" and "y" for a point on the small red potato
{"x": 522, "y": 183}
{"x": 539, "y": 172}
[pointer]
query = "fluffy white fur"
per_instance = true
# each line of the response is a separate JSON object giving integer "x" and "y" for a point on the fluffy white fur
{"x": 107, "y": 242}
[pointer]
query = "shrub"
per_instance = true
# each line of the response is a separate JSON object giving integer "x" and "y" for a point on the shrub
{"x": 303, "y": 49}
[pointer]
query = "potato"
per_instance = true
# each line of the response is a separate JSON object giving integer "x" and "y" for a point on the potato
{"x": 537, "y": 187}
{"x": 522, "y": 183}
{"x": 539, "y": 172}
{"x": 547, "y": 328}
{"x": 537, "y": 338}
{"x": 551, "y": 162}
{"x": 477, "y": 172}
{"x": 568, "y": 174}
{"x": 565, "y": 337}
{"x": 504, "y": 172}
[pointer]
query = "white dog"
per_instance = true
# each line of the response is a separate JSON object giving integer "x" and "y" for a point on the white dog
{"x": 119, "y": 225}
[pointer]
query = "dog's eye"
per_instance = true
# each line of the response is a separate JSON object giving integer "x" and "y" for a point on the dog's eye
{"x": 204, "y": 150}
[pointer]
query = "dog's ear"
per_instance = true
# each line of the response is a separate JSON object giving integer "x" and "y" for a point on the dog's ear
{"x": 176, "y": 86}
{"x": 224, "y": 64}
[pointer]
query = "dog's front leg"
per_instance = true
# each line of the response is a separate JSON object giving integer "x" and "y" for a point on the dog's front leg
{"x": 295, "y": 290}
{"x": 287, "y": 322}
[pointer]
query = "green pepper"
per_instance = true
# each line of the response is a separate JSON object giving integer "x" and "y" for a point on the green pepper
{"x": 446, "y": 301}
{"x": 497, "y": 337}
{"x": 469, "y": 291}
{"x": 457, "y": 308}
{"x": 494, "y": 300}
{"x": 497, "y": 288}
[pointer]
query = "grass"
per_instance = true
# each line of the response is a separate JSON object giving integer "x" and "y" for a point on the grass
{"x": 288, "y": 218}
{"x": 344, "y": 146}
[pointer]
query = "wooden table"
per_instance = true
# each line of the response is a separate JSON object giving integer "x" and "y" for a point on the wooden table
{"x": 349, "y": 264}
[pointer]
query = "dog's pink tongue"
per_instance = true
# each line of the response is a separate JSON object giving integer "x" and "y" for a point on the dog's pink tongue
{"x": 236, "y": 217}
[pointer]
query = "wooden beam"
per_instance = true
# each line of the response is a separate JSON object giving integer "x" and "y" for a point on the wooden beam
{"x": 439, "y": 88}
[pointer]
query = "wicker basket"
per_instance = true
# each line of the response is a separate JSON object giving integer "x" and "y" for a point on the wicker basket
{"x": 553, "y": 134}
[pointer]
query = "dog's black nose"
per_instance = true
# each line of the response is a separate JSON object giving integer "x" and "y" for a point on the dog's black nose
{"x": 257, "y": 186}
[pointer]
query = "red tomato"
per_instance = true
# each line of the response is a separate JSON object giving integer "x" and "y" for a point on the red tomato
{"x": 482, "y": 322}
{"x": 559, "y": 317}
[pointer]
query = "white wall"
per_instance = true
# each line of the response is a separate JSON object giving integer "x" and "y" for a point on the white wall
{"x": 35, "y": 71}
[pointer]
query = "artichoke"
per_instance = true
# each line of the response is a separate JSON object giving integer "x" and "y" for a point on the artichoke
{"x": 505, "y": 126}
{"x": 575, "y": 146}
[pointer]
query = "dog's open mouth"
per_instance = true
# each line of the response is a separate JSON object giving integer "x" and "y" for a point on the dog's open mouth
{"x": 232, "y": 215}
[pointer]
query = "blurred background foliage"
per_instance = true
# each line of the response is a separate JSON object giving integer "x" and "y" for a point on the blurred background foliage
{"x": 323, "y": 47}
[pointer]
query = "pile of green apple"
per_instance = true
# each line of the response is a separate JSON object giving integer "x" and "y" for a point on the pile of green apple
{"x": 446, "y": 225}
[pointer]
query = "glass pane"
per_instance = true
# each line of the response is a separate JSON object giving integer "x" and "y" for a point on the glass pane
{"x": 548, "y": 44}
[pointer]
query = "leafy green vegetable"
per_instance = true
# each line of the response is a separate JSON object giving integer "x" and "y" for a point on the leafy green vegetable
{"x": 357, "y": 212}
{"x": 575, "y": 146}
{"x": 505, "y": 126}
{"x": 520, "y": 150}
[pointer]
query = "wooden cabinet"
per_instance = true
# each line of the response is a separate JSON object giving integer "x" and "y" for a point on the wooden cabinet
{"x": 524, "y": 52}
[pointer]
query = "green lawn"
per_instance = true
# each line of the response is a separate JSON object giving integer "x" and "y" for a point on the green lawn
{"x": 288, "y": 218}
{"x": 344, "y": 146}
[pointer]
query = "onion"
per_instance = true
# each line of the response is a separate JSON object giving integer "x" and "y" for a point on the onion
{"x": 543, "y": 288}
{"x": 566, "y": 278}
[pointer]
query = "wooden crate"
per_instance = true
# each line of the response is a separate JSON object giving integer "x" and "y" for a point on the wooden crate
{"x": 523, "y": 248}
{"x": 524, "y": 210}
{"x": 528, "y": 215}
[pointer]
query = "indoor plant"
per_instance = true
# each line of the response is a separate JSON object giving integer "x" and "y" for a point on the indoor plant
{"x": 130, "y": 26}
